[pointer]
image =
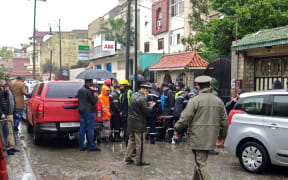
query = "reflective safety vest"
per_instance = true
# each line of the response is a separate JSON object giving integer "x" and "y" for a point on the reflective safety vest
{"x": 128, "y": 96}
{"x": 177, "y": 94}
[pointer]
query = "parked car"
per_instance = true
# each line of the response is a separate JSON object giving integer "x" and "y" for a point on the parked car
{"x": 29, "y": 86}
{"x": 53, "y": 108}
{"x": 258, "y": 130}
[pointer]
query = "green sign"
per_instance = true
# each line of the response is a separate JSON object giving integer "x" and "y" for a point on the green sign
{"x": 83, "y": 48}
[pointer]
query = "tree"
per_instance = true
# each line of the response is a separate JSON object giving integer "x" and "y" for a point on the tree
{"x": 117, "y": 31}
{"x": 253, "y": 15}
{"x": 6, "y": 54}
{"x": 47, "y": 67}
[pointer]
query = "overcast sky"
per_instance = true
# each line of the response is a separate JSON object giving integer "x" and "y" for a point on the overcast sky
{"x": 16, "y": 17}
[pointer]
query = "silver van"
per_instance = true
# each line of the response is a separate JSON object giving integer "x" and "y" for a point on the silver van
{"x": 258, "y": 130}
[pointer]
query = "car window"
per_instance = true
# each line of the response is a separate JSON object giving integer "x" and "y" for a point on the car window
{"x": 34, "y": 90}
{"x": 40, "y": 89}
{"x": 27, "y": 89}
{"x": 280, "y": 105}
{"x": 63, "y": 90}
{"x": 252, "y": 105}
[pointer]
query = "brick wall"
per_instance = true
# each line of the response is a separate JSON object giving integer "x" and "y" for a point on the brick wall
{"x": 164, "y": 6}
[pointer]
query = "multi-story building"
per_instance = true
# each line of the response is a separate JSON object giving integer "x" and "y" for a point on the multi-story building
{"x": 163, "y": 29}
{"x": 70, "y": 41}
{"x": 111, "y": 60}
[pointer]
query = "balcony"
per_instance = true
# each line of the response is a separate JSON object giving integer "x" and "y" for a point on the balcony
{"x": 98, "y": 52}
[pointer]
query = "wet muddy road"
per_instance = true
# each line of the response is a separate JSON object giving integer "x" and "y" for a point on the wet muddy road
{"x": 60, "y": 159}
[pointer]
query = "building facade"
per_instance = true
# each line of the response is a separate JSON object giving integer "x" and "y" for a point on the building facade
{"x": 261, "y": 58}
{"x": 70, "y": 41}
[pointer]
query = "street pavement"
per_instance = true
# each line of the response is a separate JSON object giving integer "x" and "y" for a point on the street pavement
{"x": 60, "y": 159}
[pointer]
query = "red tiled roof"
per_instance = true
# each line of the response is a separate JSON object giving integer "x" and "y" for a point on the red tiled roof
{"x": 18, "y": 65}
{"x": 39, "y": 35}
{"x": 180, "y": 61}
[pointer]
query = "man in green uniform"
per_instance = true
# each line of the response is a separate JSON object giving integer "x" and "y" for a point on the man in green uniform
{"x": 206, "y": 119}
{"x": 138, "y": 111}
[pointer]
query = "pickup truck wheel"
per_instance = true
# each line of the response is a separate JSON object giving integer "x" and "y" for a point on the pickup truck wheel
{"x": 37, "y": 137}
{"x": 253, "y": 157}
{"x": 29, "y": 128}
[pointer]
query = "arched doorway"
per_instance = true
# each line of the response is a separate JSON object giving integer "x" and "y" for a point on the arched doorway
{"x": 167, "y": 78}
{"x": 184, "y": 77}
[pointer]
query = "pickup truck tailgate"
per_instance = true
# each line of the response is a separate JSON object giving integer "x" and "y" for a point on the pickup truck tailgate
{"x": 61, "y": 111}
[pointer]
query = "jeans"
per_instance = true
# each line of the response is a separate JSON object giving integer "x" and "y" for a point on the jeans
{"x": 17, "y": 121}
{"x": 87, "y": 122}
{"x": 5, "y": 129}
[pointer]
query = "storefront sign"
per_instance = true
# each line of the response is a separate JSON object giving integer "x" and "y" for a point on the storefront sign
{"x": 108, "y": 46}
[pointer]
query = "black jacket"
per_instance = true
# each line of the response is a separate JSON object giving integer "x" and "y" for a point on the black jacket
{"x": 114, "y": 103}
{"x": 87, "y": 100}
{"x": 138, "y": 112}
{"x": 4, "y": 102}
{"x": 169, "y": 103}
{"x": 180, "y": 104}
{"x": 229, "y": 106}
{"x": 124, "y": 102}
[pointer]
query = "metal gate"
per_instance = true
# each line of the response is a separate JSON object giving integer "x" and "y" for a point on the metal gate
{"x": 220, "y": 69}
{"x": 268, "y": 70}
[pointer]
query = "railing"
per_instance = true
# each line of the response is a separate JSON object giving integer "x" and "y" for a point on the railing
{"x": 21, "y": 55}
{"x": 98, "y": 52}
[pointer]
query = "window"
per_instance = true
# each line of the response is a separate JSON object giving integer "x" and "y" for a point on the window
{"x": 177, "y": 7}
{"x": 109, "y": 67}
{"x": 40, "y": 89}
{"x": 34, "y": 90}
{"x": 161, "y": 44}
{"x": 146, "y": 47}
{"x": 159, "y": 18}
{"x": 280, "y": 105}
{"x": 99, "y": 67}
{"x": 178, "y": 39}
{"x": 252, "y": 105}
{"x": 63, "y": 90}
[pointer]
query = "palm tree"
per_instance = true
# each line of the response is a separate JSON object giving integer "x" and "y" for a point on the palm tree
{"x": 117, "y": 31}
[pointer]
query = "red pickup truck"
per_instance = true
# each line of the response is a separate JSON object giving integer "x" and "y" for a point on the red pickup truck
{"x": 53, "y": 109}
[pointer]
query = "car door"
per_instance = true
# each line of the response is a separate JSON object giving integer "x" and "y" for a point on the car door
{"x": 30, "y": 103}
{"x": 276, "y": 127}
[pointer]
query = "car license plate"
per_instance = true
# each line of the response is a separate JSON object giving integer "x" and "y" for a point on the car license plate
{"x": 67, "y": 125}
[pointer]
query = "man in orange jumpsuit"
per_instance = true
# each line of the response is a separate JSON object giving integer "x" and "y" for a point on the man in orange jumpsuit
{"x": 106, "y": 115}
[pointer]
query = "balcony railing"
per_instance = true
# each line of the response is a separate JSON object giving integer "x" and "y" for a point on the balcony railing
{"x": 21, "y": 55}
{"x": 98, "y": 52}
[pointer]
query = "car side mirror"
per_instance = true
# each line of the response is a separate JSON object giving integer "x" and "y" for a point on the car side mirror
{"x": 29, "y": 95}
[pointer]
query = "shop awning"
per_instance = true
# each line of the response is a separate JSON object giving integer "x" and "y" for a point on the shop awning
{"x": 149, "y": 59}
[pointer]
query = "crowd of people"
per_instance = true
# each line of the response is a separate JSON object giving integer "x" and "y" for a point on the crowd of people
{"x": 11, "y": 110}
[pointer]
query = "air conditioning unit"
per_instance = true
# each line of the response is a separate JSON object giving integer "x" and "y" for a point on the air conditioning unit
{"x": 159, "y": 24}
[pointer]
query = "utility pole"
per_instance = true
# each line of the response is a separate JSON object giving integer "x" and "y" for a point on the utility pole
{"x": 60, "y": 75}
{"x": 128, "y": 39}
{"x": 135, "y": 50}
{"x": 34, "y": 37}
{"x": 50, "y": 64}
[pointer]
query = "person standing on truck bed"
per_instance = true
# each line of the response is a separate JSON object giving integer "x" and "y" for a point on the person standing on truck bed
{"x": 87, "y": 108}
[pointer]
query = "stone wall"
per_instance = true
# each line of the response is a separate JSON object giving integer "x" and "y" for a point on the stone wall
{"x": 188, "y": 79}
{"x": 248, "y": 74}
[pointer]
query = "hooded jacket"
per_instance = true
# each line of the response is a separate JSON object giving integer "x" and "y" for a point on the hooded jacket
{"x": 206, "y": 119}
{"x": 104, "y": 100}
